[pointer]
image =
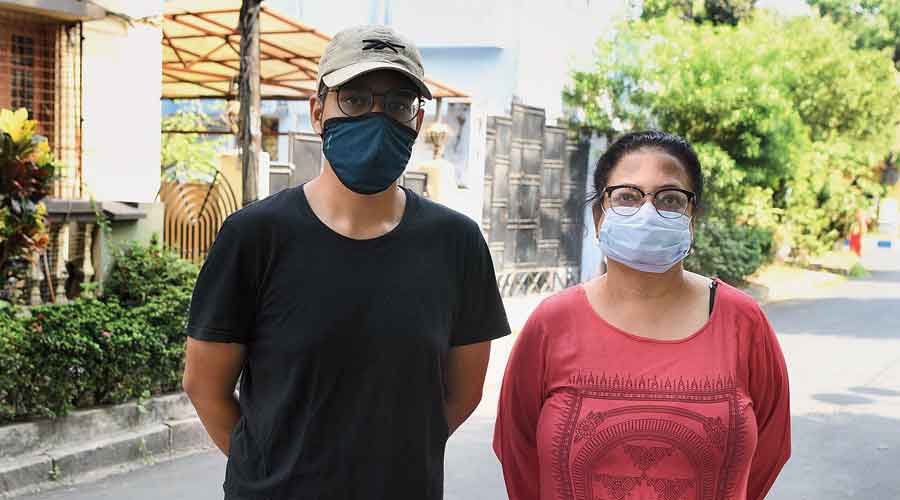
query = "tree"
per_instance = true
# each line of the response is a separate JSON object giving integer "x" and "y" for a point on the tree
{"x": 787, "y": 116}
{"x": 875, "y": 24}
{"x": 190, "y": 156}
{"x": 713, "y": 11}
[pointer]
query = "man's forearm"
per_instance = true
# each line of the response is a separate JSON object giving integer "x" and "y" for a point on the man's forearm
{"x": 458, "y": 412}
{"x": 219, "y": 416}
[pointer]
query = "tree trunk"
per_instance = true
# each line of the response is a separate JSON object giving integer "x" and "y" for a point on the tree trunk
{"x": 250, "y": 134}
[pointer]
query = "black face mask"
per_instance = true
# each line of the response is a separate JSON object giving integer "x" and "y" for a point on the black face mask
{"x": 369, "y": 152}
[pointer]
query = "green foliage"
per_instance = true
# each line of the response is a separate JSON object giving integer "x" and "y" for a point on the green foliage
{"x": 875, "y": 24}
{"x": 788, "y": 116}
{"x": 140, "y": 272}
{"x": 127, "y": 345}
{"x": 729, "y": 251}
{"x": 190, "y": 156}
{"x": 858, "y": 271}
{"x": 27, "y": 169}
{"x": 699, "y": 11}
{"x": 12, "y": 335}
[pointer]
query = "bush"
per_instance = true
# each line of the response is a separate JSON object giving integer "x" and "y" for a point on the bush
{"x": 99, "y": 351}
{"x": 729, "y": 251}
{"x": 12, "y": 335}
{"x": 67, "y": 339}
{"x": 141, "y": 271}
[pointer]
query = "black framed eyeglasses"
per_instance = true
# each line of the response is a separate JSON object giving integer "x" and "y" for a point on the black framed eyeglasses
{"x": 400, "y": 104}
{"x": 670, "y": 203}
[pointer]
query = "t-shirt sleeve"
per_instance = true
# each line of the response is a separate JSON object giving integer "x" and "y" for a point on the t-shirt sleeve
{"x": 223, "y": 305}
{"x": 518, "y": 411}
{"x": 771, "y": 404}
{"x": 481, "y": 315}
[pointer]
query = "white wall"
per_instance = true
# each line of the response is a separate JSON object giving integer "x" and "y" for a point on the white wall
{"x": 592, "y": 263}
{"x": 555, "y": 37}
{"x": 122, "y": 86}
{"x": 547, "y": 38}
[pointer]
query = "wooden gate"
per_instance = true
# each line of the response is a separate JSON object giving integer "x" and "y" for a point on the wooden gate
{"x": 534, "y": 190}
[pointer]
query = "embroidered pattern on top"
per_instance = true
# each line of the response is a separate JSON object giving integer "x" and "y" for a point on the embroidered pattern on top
{"x": 639, "y": 426}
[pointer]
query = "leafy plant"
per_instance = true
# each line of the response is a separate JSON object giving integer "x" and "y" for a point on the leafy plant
{"x": 127, "y": 345}
{"x": 27, "y": 169}
{"x": 141, "y": 272}
{"x": 858, "y": 271}
{"x": 729, "y": 251}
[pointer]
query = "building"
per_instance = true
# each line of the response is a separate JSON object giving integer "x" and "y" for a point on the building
{"x": 89, "y": 72}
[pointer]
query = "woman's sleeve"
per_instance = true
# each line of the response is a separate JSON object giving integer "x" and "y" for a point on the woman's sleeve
{"x": 521, "y": 398}
{"x": 771, "y": 404}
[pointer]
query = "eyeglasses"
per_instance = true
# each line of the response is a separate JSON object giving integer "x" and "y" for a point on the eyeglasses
{"x": 670, "y": 203}
{"x": 400, "y": 104}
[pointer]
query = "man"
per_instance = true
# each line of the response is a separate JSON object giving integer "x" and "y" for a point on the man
{"x": 358, "y": 315}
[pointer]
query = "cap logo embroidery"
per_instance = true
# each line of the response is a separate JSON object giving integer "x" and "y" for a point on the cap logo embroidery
{"x": 372, "y": 44}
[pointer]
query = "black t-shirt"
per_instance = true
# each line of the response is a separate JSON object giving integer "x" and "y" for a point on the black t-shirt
{"x": 347, "y": 342}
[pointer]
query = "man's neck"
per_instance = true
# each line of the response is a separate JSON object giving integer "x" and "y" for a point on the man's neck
{"x": 351, "y": 214}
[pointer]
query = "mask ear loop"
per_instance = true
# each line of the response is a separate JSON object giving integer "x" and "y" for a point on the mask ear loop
{"x": 693, "y": 236}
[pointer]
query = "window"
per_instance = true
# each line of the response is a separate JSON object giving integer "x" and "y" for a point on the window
{"x": 40, "y": 70}
{"x": 28, "y": 68}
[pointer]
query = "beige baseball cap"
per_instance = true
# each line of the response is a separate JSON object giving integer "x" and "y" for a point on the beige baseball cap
{"x": 362, "y": 49}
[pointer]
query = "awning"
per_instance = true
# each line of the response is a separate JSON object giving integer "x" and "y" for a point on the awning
{"x": 201, "y": 52}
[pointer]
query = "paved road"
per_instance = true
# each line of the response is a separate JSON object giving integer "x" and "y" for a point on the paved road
{"x": 843, "y": 351}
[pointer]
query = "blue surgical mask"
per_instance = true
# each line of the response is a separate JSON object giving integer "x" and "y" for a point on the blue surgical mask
{"x": 646, "y": 241}
{"x": 369, "y": 152}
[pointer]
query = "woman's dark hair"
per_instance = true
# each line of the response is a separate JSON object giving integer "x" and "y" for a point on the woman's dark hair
{"x": 633, "y": 142}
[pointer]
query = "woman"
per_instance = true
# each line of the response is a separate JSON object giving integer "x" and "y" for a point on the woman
{"x": 649, "y": 382}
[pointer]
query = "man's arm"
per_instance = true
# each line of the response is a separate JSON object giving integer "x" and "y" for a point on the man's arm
{"x": 210, "y": 374}
{"x": 467, "y": 366}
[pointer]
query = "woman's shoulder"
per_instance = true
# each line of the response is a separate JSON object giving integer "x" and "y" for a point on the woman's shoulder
{"x": 740, "y": 307}
{"x": 555, "y": 312}
{"x": 561, "y": 304}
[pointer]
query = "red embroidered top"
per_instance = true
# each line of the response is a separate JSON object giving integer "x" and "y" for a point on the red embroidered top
{"x": 590, "y": 412}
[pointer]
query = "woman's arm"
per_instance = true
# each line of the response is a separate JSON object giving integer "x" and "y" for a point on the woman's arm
{"x": 521, "y": 399}
{"x": 771, "y": 404}
{"x": 210, "y": 374}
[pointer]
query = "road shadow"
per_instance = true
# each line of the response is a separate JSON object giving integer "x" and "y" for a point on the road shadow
{"x": 880, "y": 276}
{"x": 838, "y": 316}
{"x": 875, "y": 391}
{"x": 841, "y": 456}
{"x": 843, "y": 399}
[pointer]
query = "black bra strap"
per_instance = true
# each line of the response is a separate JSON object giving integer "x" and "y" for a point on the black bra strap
{"x": 713, "y": 286}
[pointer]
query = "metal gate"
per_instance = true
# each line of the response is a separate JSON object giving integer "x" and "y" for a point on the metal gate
{"x": 195, "y": 211}
{"x": 534, "y": 190}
